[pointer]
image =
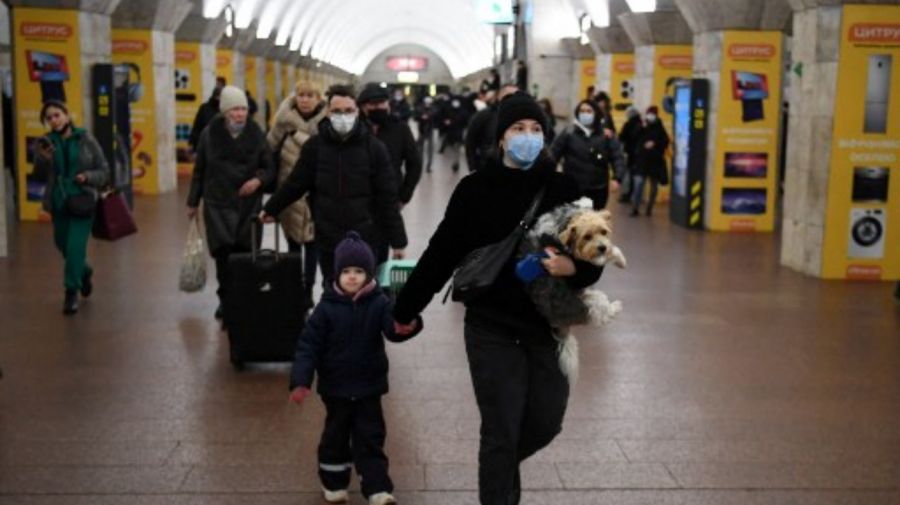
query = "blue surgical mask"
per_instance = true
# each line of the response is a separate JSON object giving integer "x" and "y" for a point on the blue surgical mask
{"x": 586, "y": 119}
{"x": 524, "y": 148}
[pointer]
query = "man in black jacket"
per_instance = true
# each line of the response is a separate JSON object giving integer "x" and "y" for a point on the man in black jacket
{"x": 397, "y": 137}
{"x": 205, "y": 113}
{"x": 349, "y": 174}
{"x": 480, "y": 134}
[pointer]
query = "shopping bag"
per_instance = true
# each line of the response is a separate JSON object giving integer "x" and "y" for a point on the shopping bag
{"x": 192, "y": 277}
{"x": 114, "y": 219}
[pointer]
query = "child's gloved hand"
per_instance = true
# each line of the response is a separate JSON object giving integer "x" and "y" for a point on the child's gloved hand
{"x": 299, "y": 394}
{"x": 404, "y": 330}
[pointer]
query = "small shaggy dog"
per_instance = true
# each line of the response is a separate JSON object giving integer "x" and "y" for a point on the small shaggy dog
{"x": 574, "y": 229}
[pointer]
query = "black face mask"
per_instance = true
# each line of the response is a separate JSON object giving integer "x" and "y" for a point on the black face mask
{"x": 378, "y": 116}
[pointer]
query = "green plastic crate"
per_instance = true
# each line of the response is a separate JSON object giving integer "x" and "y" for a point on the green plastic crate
{"x": 392, "y": 275}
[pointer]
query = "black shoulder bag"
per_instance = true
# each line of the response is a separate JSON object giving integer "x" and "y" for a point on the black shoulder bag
{"x": 480, "y": 268}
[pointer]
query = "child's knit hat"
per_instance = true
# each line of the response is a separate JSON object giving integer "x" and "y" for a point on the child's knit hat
{"x": 353, "y": 251}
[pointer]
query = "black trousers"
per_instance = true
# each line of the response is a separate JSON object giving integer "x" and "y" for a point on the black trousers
{"x": 223, "y": 276}
{"x": 522, "y": 397}
{"x": 354, "y": 432}
{"x": 425, "y": 143}
{"x": 599, "y": 195}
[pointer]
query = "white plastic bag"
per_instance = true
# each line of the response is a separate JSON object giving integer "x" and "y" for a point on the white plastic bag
{"x": 192, "y": 277}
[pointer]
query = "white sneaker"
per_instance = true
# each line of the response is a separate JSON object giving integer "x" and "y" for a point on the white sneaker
{"x": 339, "y": 496}
{"x": 382, "y": 499}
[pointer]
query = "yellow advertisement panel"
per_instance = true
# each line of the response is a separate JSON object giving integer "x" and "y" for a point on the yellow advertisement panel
{"x": 134, "y": 49}
{"x": 744, "y": 184}
{"x": 271, "y": 96}
{"x": 188, "y": 98}
{"x": 47, "y": 67}
{"x": 287, "y": 79}
{"x": 621, "y": 86}
{"x": 225, "y": 65}
{"x": 672, "y": 62}
{"x": 862, "y": 234}
{"x": 587, "y": 74}
{"x": 250, "y": 73}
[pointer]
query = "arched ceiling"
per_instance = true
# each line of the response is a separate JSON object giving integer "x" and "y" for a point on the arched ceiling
{"x": 350, "y": 33}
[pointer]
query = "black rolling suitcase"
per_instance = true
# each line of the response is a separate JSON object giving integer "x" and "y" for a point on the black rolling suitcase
{"x": 265, "y": 304}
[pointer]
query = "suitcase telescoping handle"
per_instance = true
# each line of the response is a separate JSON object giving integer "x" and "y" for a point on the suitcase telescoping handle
{"x": 254, "y": 245}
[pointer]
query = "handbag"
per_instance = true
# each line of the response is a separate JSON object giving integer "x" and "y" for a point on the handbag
{"x": 81, "y": 204}
{"x": 479, "y": 269}
{"x": 114, "y": 219}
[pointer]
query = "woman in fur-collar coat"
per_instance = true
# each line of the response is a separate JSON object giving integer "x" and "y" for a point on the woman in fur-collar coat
{"x": 233, "y": 165}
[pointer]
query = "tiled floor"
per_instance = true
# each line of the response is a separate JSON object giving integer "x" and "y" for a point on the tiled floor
{"x": 727, "y": 380}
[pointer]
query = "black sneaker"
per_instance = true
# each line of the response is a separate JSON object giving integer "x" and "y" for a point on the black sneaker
{"x": 87, "y": 287}
{"x": 70, "y": 306}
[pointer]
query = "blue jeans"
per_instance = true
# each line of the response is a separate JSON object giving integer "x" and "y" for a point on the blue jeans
{"x": 637, "y": 192}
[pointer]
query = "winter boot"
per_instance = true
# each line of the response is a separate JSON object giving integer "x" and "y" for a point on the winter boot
{"x": 382, "y": 499}
{"x": 87, "y": 287}
{"x": 339, "y": 496}
{"x": 70, "y": 306}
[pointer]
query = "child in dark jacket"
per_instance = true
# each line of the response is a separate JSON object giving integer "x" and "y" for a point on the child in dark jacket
{"x": 343, "y": 343}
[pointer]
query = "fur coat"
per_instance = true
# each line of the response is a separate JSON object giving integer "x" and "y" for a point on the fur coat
{"x": 290, "y": 132}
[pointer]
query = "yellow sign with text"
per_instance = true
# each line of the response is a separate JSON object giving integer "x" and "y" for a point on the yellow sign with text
{"x": 271, "y": 95}
{"x": 862, "y": 234}
{"x": 744, "y": 184}
{"x": 134, "y": 49}
{"x": 188, "y": 98}
{"x": 225, "y": 65}
{"x": 671, "y": 62}
{"x": 48, "y": 66}
{"x": 587, "y": 75}
{"x": 621, "y": 86}
{"x": 287, "y": 79}
{"x": 250, "y": 77}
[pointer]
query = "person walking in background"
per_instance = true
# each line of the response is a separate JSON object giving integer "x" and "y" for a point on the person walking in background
{"x": 396, "y": 136}
{"x": 296, "y": 120}
{"x": 424, "y": 116}
{"x": 350, "y": 175}
{"x": 587, "y": 152}
{"x": 343, "y": 344}
{"x": 651, "y": 160}
{"x": 628, "y": 137}
{"x": 605, "y": 105}
{"x": 551, "y": 119}
{"x": 71, "y": 161}
{"x": 399, "y": 107}
{"x": 206, "y": 113}
{"x": 455, "y": 119}
{"x": 233, "y": 165}
{"x": 480, "y": 141}
{"x": 520, "y": 389}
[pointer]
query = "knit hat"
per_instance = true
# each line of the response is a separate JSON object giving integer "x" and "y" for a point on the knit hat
{"x": 353, "y": 251}
{"x": 232, "y": 97}
{"x": 516, "y": 107}
{"x": 653, "y": 110}
{"x": 372, "y": 93}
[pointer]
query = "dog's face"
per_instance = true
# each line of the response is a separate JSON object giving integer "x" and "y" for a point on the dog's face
{"x": 588, "y": 237}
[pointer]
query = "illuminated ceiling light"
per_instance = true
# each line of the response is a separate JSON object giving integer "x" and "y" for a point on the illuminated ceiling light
{"x": 408, "y": 77}
{"x": 245, "y": 14}
{"x": 641, "y": 5}
{"x": 229, "y": 21}
{"x": 212, "y": 8}
{"x": 585, "y": 23}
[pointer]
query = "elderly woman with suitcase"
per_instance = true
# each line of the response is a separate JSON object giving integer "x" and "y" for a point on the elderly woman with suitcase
{"x": 233, "y": 165}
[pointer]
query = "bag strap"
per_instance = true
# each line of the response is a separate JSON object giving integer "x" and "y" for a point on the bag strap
{"x": 532, "y": 210}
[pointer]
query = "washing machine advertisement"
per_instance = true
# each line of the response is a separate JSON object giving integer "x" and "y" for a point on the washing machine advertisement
{"x": 673, "y": 64}
{"x": 862, "y": 236}
{"x": 188, "y": 99}
{"x": 133, "y": 50}
{"x": 744, "y": 178}
{"x": 47, "y": 66}
{"x": 621, "y": 86}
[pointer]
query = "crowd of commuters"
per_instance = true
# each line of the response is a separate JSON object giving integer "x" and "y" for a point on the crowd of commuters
{"x": 341, "y": 166}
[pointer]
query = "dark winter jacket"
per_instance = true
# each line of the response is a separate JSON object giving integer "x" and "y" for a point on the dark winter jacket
{"x": 343, "y": 342}
{"x": 652, "y": 162}
{"x": 89, "y": 161}
{"x": 424, "y": 117}
{"x": 484, "y": 208}
{"x": 588, "y": 159}
{"x": 352, "y": 184}
{"x": 480, "y": 141}
{"x": 454, "y": 119}
{"x": 405, "y": 159}
{"x": 223, "y": 165}
{"x": 401, "y": 110}
{"x": 631, "y": 130}
{"x": 205, "y": 114}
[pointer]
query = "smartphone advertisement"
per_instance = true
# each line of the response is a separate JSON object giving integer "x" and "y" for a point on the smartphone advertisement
{"x": 132, "y": 50}
{"x": 47, "y": 63}
{"x": 188, "y": 98}
{"x": 745, "y": 162}
{"x": 862, "y": 238}
{"x": 673, "y": 64}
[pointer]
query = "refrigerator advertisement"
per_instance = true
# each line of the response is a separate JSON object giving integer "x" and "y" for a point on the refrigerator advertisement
{"x": 621, "y": 86}
{"x": 744, "y": 178}
{"x": 188, "y": 98}
{"x": 47, "y": 66}
{"x": 862, "y": 239}
{"x": 133, "y": 50}
{"x": 673, "y": 64}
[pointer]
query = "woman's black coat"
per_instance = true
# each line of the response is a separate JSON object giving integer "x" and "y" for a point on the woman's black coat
{"x": 652, "y": 162}
{"x": 588, "y": 159}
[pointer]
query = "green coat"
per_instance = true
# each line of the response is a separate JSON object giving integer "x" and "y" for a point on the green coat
{"x": 88, "y": 159}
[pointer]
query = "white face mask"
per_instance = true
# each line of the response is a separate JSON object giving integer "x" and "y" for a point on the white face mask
{"x": 343, "y": 123}
{"x": 651, "y": 118}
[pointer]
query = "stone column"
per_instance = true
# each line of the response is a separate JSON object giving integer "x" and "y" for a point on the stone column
{"x": 748, "y": 34}
{"x": 156, "y": 22}
{"x": 828, "y": 140}
{"x": 550, "y": 65}
{"x": 277, "y": 56}
{"x": 615, "y": 61}
{"x": 206, "y": 33}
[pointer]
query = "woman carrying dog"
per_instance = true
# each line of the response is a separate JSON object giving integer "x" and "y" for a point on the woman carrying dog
{"x": 520, "y": 389}
{"x": 586, "y": 150}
